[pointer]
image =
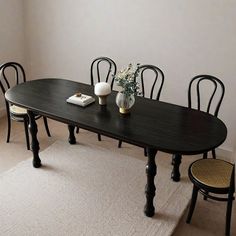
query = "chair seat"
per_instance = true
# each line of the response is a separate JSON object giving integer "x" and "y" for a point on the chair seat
{"x": 16, "y": 110}
{"x": 204, "y": 171}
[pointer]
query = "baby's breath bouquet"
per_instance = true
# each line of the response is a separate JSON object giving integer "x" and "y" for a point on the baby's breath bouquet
{"x": 126, "y": 80}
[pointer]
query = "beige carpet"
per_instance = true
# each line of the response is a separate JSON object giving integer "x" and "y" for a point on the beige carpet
{"x": 88, "y": 190}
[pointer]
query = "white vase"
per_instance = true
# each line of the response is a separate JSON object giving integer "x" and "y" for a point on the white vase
{"x": 124, "y": 102}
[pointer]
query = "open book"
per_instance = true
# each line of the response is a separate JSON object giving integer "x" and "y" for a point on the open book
{"x": 81, "y": 99}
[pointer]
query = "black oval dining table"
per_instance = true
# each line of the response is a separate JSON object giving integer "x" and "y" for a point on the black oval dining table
{"x": 155, "y": 125}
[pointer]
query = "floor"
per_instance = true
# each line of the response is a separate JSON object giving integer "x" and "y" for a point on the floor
{"x": 208, "y": 218}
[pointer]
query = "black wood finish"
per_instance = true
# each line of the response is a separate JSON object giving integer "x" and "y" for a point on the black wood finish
{"x": 149, "y": 74}
{"x": 34, "y": 143}
{"x": 150, "y": 188}
{"x": 11, "y": 74}
{"x": 195, "y": 100}
{"x": 215, "y": 98}
{"x": 108, "y": 67}
{"x": 176, "y": 161}
{"x": 153, "y": 124}
{"x": 217, "y": 84}
{"x": 71, "y": 139}
{"x": 156, "y": 87}
{"x": 192, "y": 204}
{"x": 95, "y": 70}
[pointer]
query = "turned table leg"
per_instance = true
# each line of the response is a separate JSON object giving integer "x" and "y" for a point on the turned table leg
{"x": 176, "y": 161}
{"x": 150, "y": 188}
{"x": 71, "y": 139}
{"x": 34, "y": 141}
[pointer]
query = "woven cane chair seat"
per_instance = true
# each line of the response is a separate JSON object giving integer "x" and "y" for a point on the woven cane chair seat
{"x": 211, "y": 172}
{"x": 17, "y": 110}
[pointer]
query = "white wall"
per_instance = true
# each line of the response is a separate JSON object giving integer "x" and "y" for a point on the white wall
{"x": 11, "y": 35}
{"x": 184, "y": 38}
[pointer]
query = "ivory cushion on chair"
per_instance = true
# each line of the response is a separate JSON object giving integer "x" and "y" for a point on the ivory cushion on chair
{"x": 204, "y": 171}
{"x": 17, "y": 110}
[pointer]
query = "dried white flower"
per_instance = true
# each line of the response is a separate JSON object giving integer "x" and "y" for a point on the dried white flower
{"x": 126, "y": 78}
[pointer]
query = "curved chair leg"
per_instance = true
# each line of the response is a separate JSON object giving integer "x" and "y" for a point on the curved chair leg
{"x": 228, "y": 214}
{"x": 205, "y": 155}
{"x": 99, "y": 137}
{"x": 119, "y": 144}
{"x": 26, "y": 133}
{"x": 77, "y": 130}
{"x": 145, "y": 152}
{"x": 46, "y": 126}
{"x": 214, "y": 153}
{"x": 8, "y": 127}
{"x": 192, "y": 205}
{"x": 205, "y": 197}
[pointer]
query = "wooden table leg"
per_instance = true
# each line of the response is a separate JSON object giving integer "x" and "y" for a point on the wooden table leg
{"x": 150, "y": 188}
{"x": 71, "y": 139}
{"x": 176, "y": 161}
{"x": 34, "y": 141}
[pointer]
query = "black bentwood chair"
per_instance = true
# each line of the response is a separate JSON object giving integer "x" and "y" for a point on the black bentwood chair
{"x": 11, "y": 74}
{"x": 151, "y": 81}
{"x": 205, "y": 93}
{"x": 103, "y": 69}
{"x": 213, "y": 176}
{"x": 214, "y": 100}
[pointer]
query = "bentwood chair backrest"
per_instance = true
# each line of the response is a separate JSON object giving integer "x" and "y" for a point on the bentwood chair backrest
{"x": 151, "y": 79}
{"x": 201, "y": 85}
{"x": 11, "y": 74}
{"x": 103, "y": 69}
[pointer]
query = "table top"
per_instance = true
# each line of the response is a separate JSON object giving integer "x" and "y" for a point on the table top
{"x": 164, "y": 126}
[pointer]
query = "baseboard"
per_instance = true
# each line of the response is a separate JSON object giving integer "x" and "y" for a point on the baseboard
{"x": 226, "y": 153}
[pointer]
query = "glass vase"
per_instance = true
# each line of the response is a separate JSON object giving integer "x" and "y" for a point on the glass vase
{"x": 124, "y": 102}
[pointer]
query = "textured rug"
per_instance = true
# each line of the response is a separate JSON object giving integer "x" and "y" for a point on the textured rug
{"x": 89, "y": 190}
